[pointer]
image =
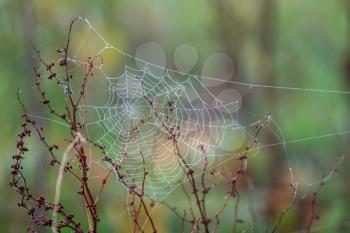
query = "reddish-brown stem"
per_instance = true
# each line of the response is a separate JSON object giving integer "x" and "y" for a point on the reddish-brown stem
{"x": 314, "y": 213}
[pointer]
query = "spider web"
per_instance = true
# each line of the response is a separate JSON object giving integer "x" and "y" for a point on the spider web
{"x": 146, "y": 108}
{"x": 147, "y": 105}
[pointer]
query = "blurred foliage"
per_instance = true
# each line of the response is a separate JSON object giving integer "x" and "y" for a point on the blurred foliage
{"x": 274, "y": 42}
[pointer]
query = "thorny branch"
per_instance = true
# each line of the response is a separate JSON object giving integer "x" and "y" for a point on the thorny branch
{"x": 18, "y": 180}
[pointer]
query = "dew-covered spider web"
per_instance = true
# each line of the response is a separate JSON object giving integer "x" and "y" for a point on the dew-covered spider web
{"x": 146, "y": 107}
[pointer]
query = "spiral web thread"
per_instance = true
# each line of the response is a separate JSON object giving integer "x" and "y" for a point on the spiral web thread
{"x": 144, "y": 108}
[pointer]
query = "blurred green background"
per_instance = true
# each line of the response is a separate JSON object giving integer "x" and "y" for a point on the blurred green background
{"x": 274, "y": 42}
